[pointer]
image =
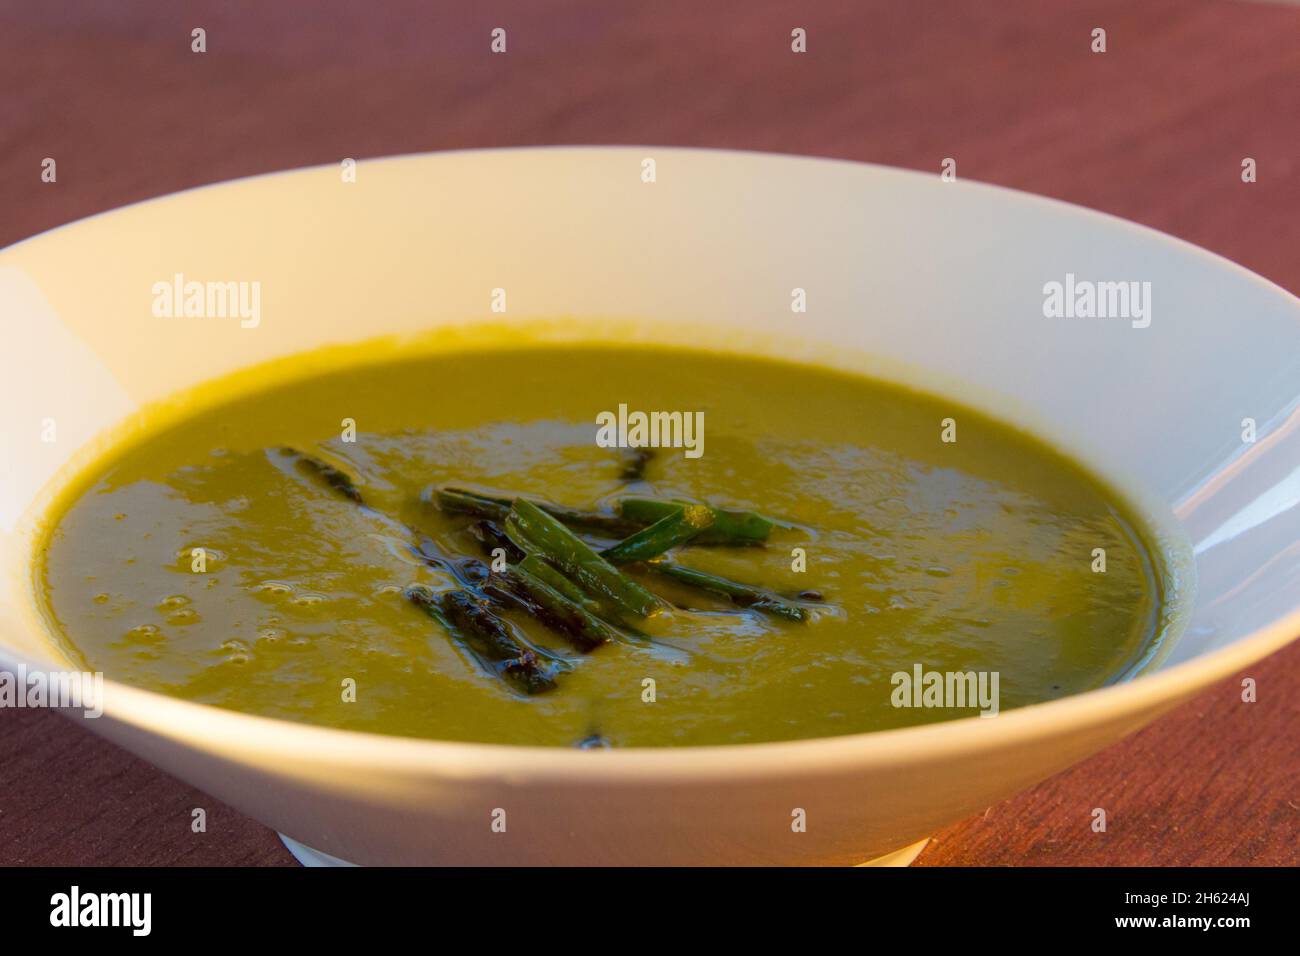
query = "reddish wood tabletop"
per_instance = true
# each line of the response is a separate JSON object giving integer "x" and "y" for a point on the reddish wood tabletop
{"x": 1155, "y": 130}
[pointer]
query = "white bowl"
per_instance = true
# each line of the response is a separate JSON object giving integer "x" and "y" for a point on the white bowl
{"x": 906, "y": 276}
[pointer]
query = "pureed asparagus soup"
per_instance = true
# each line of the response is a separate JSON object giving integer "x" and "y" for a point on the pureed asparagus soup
{"x": 484, "y": 545}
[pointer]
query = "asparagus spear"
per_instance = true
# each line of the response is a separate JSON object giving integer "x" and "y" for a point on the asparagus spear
{"x": 498, "y": 638}
{"x": 459, "y": 501}
{"x": 680, "y": 526}
{"x": 494, "y": 508}
{"x": 540, "y": 591}
{"x": 742, "y": 595}
{"x": 327, "y": 473}
{"x": 492, "y": 536}
{"x": 492, "y": 639}
{"x": 729, "y": 527}
{"x": 583, "y": 629}
{"x": 535, "y": 530}
{"x": 554, "y": 579}
{"x": 502, "y": 593}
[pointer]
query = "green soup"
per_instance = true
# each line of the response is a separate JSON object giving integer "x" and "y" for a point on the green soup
{"x": 207, "y": 563}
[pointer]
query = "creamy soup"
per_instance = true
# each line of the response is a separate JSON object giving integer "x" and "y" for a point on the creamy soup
{"x": 480, "y": 546}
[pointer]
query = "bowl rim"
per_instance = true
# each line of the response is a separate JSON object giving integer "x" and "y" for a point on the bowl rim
{"x": 190, "y": 721}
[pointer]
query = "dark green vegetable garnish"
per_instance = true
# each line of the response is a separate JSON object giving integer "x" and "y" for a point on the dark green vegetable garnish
{"x": 327, "y": 473}
{"x": 548, "y": 575}
{"x": 678, "y": 527}
{"x": 729, "y": 527}
{"x": 496, "y": 508}
{"x": 555, "y": 577}
{"x": 536, "y": 531}
{"x": 742, "y": 595}
{"x": 471, "y": 620}
{"x": 583, "y": 629}
{"x": 460, "y": 501}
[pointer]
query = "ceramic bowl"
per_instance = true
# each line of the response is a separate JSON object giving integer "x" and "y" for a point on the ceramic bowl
{"x": 907, "y": 277}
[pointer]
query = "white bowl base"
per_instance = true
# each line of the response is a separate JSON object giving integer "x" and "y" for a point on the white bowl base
{"x": 309, "y": 857}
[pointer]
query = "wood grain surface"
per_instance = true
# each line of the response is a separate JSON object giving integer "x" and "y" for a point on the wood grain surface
{"x": 1154, "y": 130}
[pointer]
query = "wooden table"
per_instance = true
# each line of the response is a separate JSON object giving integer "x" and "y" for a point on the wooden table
{"x": 1155, "y": 130}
